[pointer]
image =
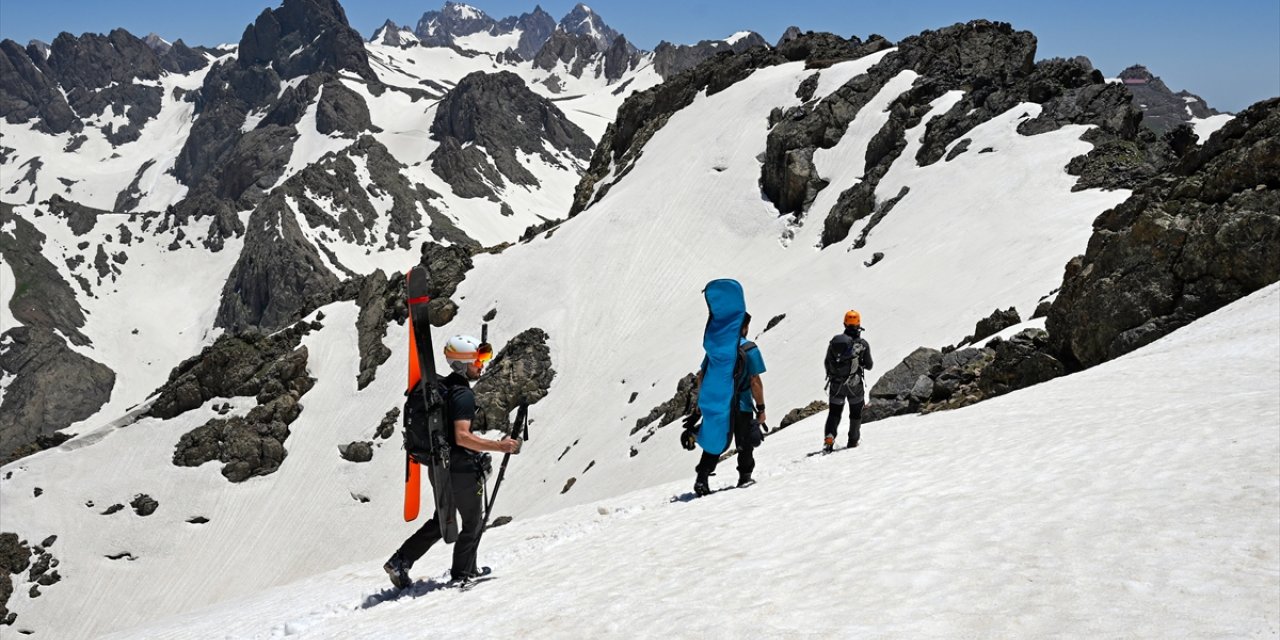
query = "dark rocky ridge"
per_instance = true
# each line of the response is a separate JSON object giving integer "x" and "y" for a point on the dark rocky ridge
{"x": 81, "y": 77}
{"x": 1162, "y": 108}
{"x": 273, "y": 369}
{"x": 991, "y": 62}
{"x": 277, "y": 271}
{"x": 496, "y": 114}
{"x": 1187, "y": 242}
{"x": 440, "y": 28}
{"x": 673, "y": 59}
{"x": 645, "y": 112}
{"x": 930, "y": 380}
{"x": 53, "y": 386}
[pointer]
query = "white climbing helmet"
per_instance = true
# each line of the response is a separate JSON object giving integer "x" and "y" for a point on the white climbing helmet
{"x": 461, "y": 351}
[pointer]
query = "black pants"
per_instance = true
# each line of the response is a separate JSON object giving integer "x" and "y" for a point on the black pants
{"x": 742, "y": 440}
{"x": 855, "y": 420}
{"x": 468, "y": 498}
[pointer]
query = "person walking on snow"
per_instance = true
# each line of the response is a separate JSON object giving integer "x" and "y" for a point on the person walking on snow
{"x": 468, "y": 467}
{"x": 746, "y": 419}
{"x": 848, "y": 356}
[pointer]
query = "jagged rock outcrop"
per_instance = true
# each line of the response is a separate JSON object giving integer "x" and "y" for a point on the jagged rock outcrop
{"x": 76, "y": 78}
{"x": 683, "y": 403}
{"x": 52, "y": 387}
{"x": 41, "y": 298}
{"x": 371, "y": 327}
{"x": 247, "y": 446}
{"x": 1162, "y": 109}
{"x": 800, "y": 413}
{"x": 991, "y": 62}
{"x": 272, "y": 368}
{"x": 620, "y": 58}
{"x": 492, "y": 116}
{"x": 673, "y": 59}
{"x": 995, "y": 323}
{"x": 246, "y": 364}
{"x": 144, "y": 505}
{"x": 15, "y": 557}
{"x": 930, "y": 380}
{"x": 521, "y": 373}
{"x": 645, "y": 112}
{"x": 1196, "y": 237}
{"x": 394, "y": 35}
{"x": 535, "y": 28}
{"x": 439, "y": 28}
{"x": 565, "y": 48}
{"x": 359, "y": 451}
{"x": 582, "y": 21}
{"x": 277, "y": 271}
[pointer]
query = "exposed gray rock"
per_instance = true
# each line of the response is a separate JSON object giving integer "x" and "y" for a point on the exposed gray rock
{"x": 387, "y": 427}
{"x": 620, "y": 58}
{"x": 683, "y": 403}
{"x": 52, "y": 387}
{"x": 796, "y": 415}
{"x": 1162, "y": 109}
{"x": 41, "y": 297}
{"x": 245, "y": 364}
{"x": 248, "y": 446}
{"x": 144, "y": 505}
{"x": 995, "y": 323}
{"x": 1194, "y": 238}
{"x": 673, "y": 59}
{"x": 278, "y": 269}
{"x": 582, "y": 21}
{"x": 535, "y": 28}
{"x": 645, "y": 112}
{"x": 115, "y": 508}
{"x": 371, "y": 326}
{"x": 563, "y": 48}
{"x": 963, "y": 377}
{"x": 359, "y": 451}
{"x": 496, "y": 115}
{"x": 521, "y": 373}
{"x": 440, "y": 28}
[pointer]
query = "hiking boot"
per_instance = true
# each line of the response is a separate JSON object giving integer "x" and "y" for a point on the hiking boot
{"x": 828, "y": 444}
{"x": 744, "y": 479}
{"x": 397, "y": 571}
{"x": 853, "y": 444}
{"x": 701, "y": 487}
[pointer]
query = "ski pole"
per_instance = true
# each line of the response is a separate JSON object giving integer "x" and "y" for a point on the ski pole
{"x": 521, "y": 428}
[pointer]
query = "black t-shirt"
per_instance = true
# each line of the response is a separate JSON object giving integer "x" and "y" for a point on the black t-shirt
{"x": 462, "y": 406}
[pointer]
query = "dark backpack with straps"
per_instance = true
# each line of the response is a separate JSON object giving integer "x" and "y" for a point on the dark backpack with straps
{"x": 844, "y": 357}
{"x": 417, "y": 414}
{"x": 742, "y": 381}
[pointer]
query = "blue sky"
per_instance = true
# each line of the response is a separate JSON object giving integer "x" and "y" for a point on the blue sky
{"x": 1226, "y": 51}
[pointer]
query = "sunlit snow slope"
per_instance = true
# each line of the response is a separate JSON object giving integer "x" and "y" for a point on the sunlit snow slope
{"x": 1118, "y": 502}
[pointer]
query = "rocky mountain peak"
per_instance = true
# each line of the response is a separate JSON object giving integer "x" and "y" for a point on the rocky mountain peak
{"x": 439, "y": 28}
{"x": 1163, "y": 109}
{"x": 157, "y": 44}
{"x": 535, "y": 28}
{"x": 302, "y": 37}
{"x": 583, "y": 21}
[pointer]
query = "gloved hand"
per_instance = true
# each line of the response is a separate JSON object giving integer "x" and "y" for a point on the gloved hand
{"x": 689, "y": 437}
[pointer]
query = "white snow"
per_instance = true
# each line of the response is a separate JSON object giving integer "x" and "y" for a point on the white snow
{"x": 1009, "y": 518}
{"x": 733, "y": 39}
{"x": 1089, "y": 506}
{"x": 1205, "y": 127}
{"x": 482, "y": 41}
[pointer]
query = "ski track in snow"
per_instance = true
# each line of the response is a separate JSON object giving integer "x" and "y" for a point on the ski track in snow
{"x": 1089, "y": 506}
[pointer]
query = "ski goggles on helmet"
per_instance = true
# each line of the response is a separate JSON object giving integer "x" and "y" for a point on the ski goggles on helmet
{"x": 484, "y": 352}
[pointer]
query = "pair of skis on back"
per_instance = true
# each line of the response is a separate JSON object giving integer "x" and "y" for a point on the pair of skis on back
{"x": 434, "y": 454}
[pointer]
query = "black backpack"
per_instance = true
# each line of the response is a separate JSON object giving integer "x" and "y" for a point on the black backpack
{"x": 844, "y": 357}
{"x": 422, "y": 439}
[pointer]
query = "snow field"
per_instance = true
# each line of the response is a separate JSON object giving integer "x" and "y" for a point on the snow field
{"x": 1089, "y": 506}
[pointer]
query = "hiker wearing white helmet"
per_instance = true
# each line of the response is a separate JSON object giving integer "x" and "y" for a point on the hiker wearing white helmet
{"x": 466, "y": 357}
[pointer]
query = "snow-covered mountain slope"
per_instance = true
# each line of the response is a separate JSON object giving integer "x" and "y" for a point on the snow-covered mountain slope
{"x": 617, "y": 290}
{"x": 1090, "y": 506}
